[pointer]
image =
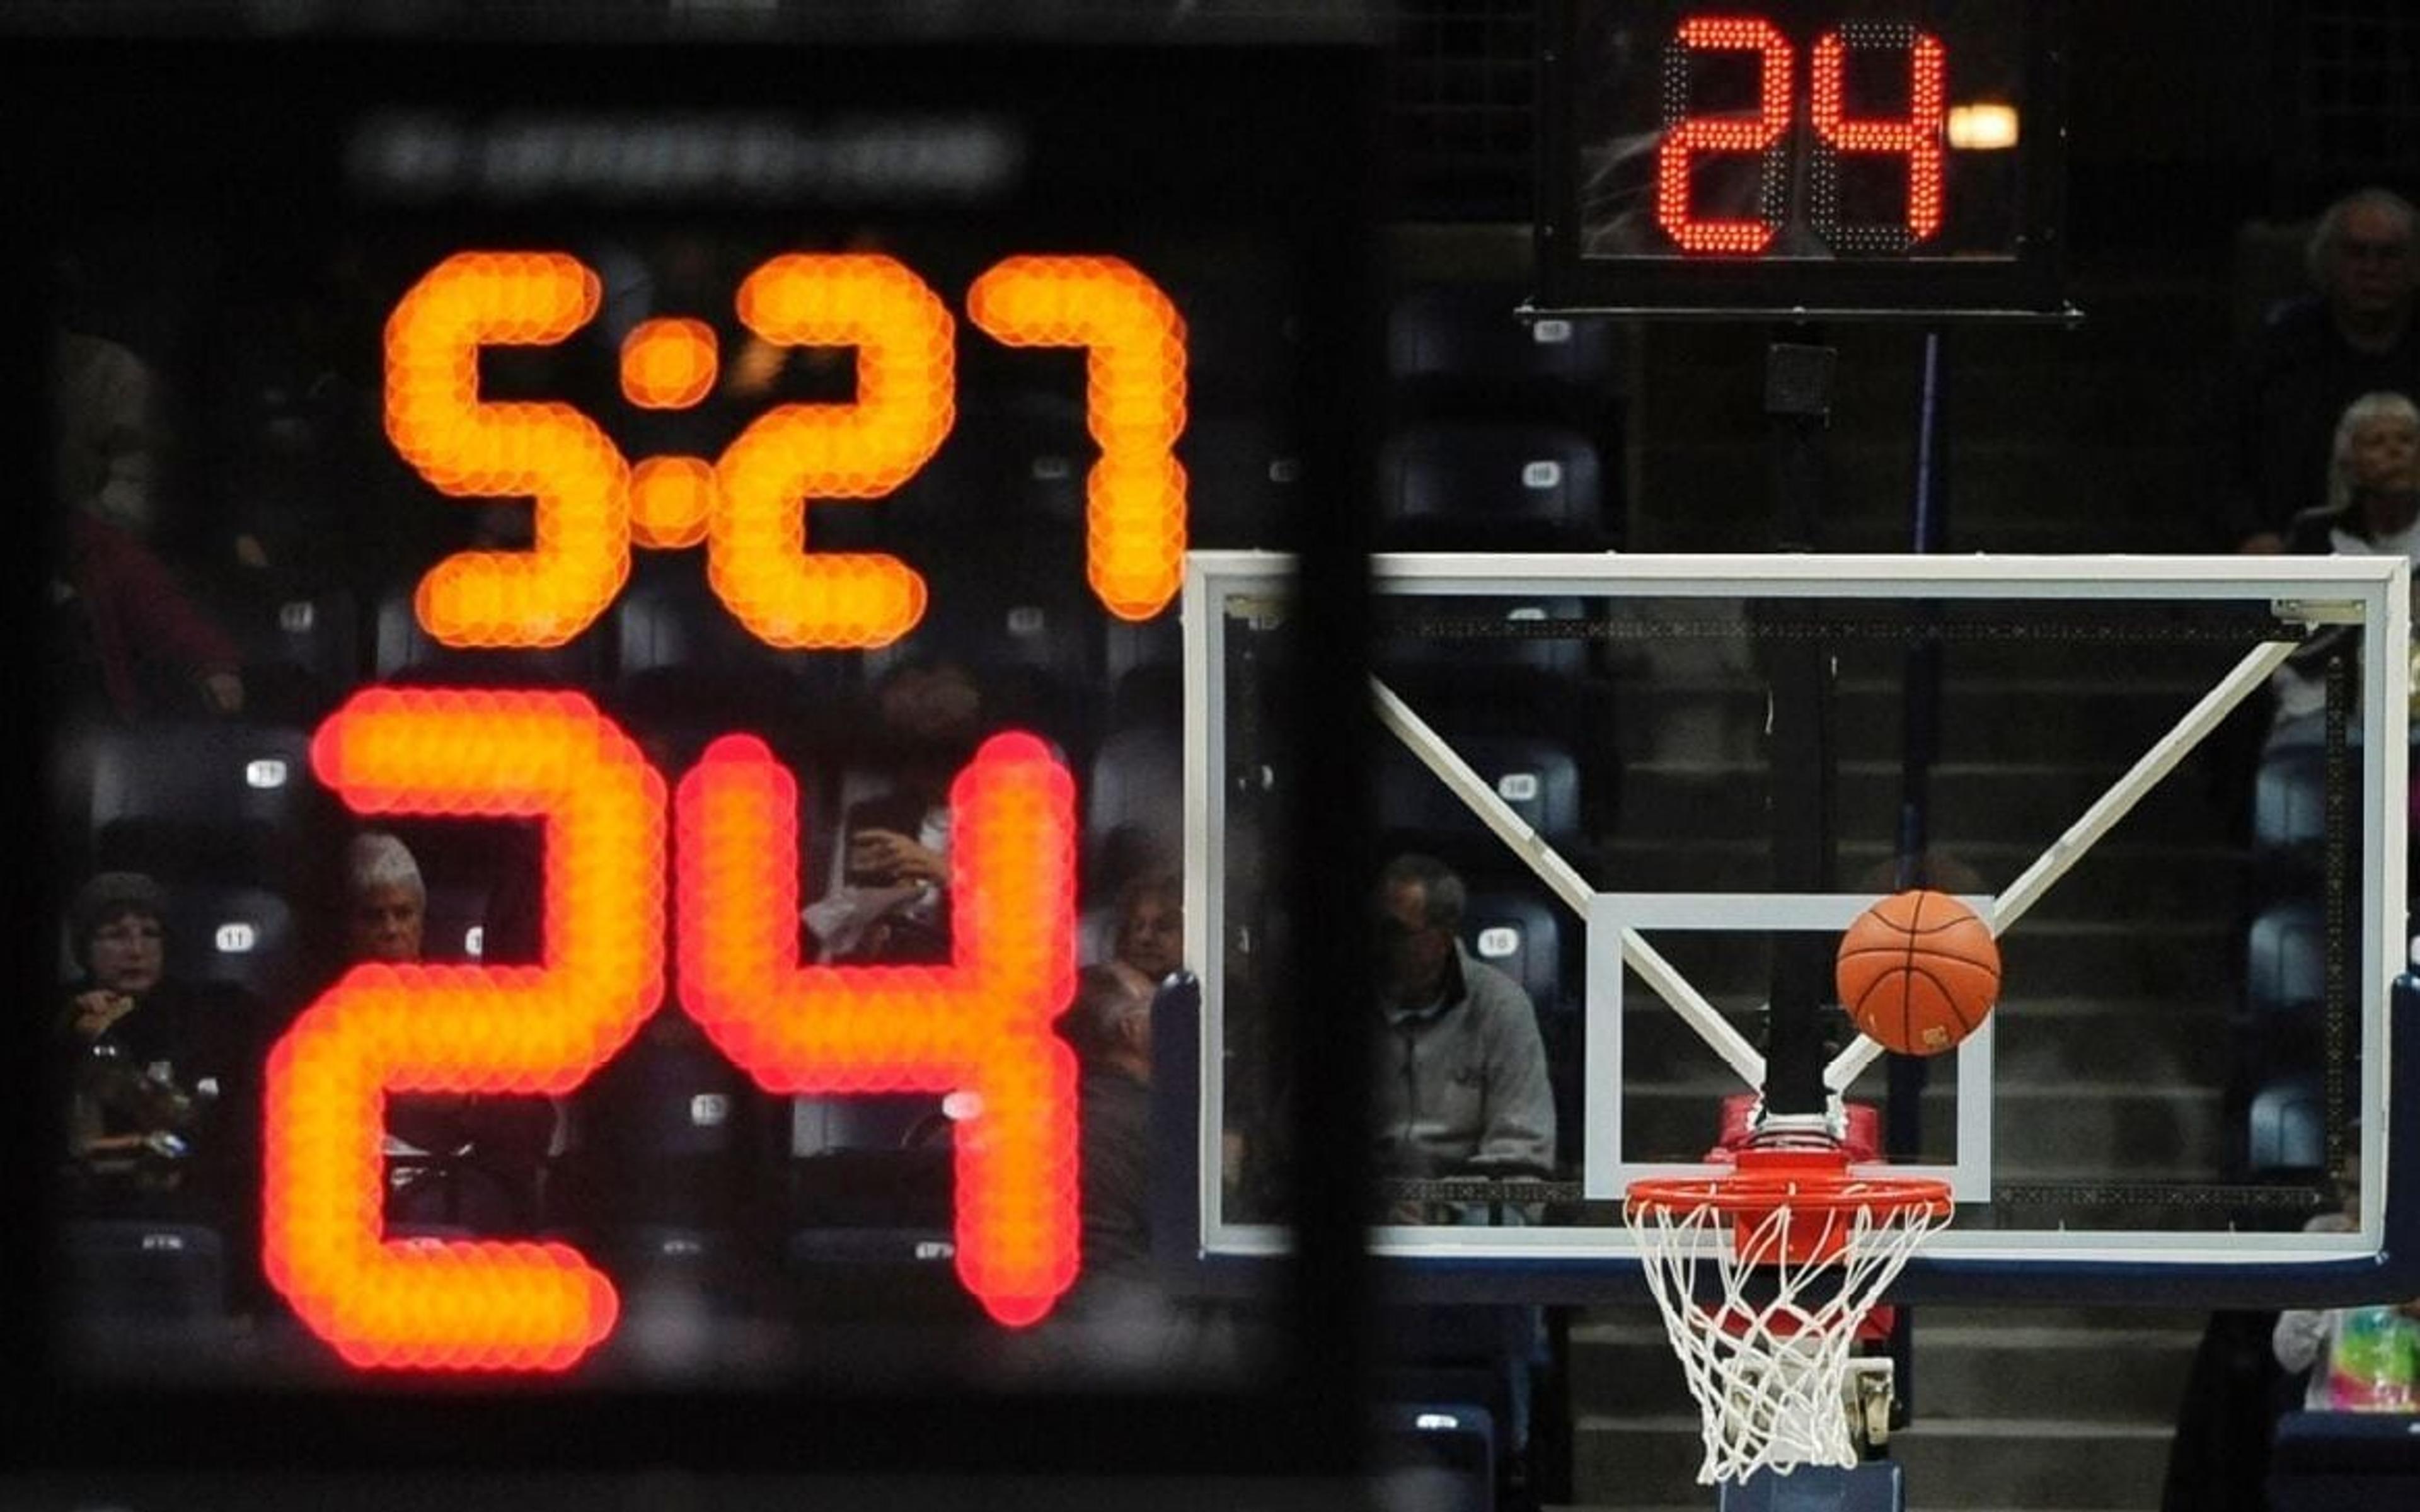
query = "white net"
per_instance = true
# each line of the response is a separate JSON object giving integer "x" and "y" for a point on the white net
{"x": 1765, "y": 1325}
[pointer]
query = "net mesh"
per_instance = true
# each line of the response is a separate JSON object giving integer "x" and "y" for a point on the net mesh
{"x": 1763, "y": 1308}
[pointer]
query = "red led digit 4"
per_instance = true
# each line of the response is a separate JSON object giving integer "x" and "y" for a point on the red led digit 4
{"x": 485, "y": 1304}
{"x": 1688, "y": 136}
{"x": 980, "y": 1025}
{"x": 1918, "y": 136}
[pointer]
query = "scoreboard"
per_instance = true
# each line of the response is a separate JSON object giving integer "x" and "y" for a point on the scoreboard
{"x": 1865, "y": 157}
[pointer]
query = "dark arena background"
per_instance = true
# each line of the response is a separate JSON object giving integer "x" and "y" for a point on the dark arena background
{"x": 749, "y": 737}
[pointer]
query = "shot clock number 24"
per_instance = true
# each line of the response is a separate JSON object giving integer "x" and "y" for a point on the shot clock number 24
{"x": 719, "y": 848}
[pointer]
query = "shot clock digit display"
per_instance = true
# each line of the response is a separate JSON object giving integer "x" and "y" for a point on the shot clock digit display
{"x": 1863, "y": 157}
{"x": 730, "y": 536}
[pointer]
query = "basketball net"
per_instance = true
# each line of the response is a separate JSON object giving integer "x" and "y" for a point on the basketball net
{"x": 1763, "y": 1276}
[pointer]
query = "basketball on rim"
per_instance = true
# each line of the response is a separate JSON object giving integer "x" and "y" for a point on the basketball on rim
{"x": 1918, "y": 972}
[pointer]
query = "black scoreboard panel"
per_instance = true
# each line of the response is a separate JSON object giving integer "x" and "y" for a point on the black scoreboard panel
{"x": 584, "y": 445}
{"x": 1872, "y": 157}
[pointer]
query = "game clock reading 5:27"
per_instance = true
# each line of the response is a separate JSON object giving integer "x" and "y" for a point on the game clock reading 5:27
{"x": 1845, "y": 157}
{"x": 719, "y": 845}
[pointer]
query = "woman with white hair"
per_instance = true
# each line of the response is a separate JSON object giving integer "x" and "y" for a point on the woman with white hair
{"x": 2372, "y": 509}
{"x": 453, "y": 1160}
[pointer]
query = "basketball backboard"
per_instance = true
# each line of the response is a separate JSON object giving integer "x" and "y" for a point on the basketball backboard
{"x": 1670, "y": 782}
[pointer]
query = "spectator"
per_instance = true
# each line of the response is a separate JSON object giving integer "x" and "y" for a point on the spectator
{"x": 453, "y": 1159}
{"x": 1461, "y": 1088}
{"x": 1118, "y": 1316}
{"x": 2354, "y": 335}
{"x": 130, "y": 639}
{"x": 892, "y": 901}
{"x": 1151, "y": 926}
{"x": 2360, "y": 1359}
{"x": 106, "y": 426}
{"x": 2372, "y": 509}
{"x": 160, "y": 1075}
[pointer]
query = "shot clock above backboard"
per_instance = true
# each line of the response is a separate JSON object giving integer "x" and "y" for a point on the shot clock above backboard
{"x": 1850, "y": 157}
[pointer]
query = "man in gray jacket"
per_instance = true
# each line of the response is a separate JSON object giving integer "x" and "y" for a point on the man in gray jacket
{"x": 1461, "y": 1085}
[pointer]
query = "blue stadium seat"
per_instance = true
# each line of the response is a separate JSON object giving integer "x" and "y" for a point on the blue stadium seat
{"x": 1435, "y": 1454}
{"x": 1521, "y": 937}
{"x": 1243, "y": 483}
{"x": 2289, "y": 796}
{"x": 1538, "y": 779}
{"x": 2284, "y": 961}
{"x": 2285, "y": 1131}
{"x": 229, "y": 802}
{"x": 1491, "y": 487}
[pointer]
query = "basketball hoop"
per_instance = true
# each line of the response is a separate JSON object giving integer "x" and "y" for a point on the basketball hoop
{"x": 1766, "y": 1350}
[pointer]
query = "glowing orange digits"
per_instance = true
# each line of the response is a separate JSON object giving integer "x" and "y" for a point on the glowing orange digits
{"x": 464, "y": 1305}
{"x": 1687, "y": 135}
{"x": 1919, "y": 136}
{"x": 980, "y": 1025}
{"x": 466, "y": 447}
{"x": 1134, "y": 405}
{"x": 905, "y": 374}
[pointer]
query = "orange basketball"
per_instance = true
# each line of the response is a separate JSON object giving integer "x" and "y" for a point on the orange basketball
{"x": 1919, "y": 971}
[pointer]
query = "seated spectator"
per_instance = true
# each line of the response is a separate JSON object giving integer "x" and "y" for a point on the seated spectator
{"x": 161, "y": 1076}
{"x": 1151, "y": 926}
{"x": 2360, "y": 1359}
{"x": 2354, "y": 334}
{"x": 2372, "y": 509}
{"x": 129, "y": 639}
{"x": 1462, "y": 1087}
{"x": 892, "y": 901}
{"x": 1118, "y": 1316}
{"x": 454, "y": 1158}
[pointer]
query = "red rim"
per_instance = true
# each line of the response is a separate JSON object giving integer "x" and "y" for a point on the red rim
{"x": 1813, "y": 1181}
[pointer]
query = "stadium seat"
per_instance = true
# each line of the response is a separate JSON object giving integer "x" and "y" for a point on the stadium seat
{"x": 139, "y": 1271}
{"x": 1435, "y": 1454}
{"x": 402, "y": 651}
{"x": 1242, "y": 482}
{"x": 1134, "y": 808}
{"x": 2285, "y": 961}
{"x": 1523, "y": 937}
{"x": 302, "y": 653}
{"x": 872, "y": 1223}
{"x": 1461, "y": 349}
{"x": 226, "y": 802}
{"x": 688, "y": 670}
{"x": 240, "y": 938}
{"x": 2287, "y": 1133}
{"x": 1491, "y": 487}
{"x": 1538, "y": 779}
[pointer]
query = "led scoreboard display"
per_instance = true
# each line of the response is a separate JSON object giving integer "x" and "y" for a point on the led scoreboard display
{"x": 1870, "y": 157}
{"x": 616, "y": 460}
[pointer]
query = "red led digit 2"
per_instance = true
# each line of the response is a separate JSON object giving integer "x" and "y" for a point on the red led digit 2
{"x": 462, "y": 1305}
{"x": 980, "y": 1025}
{"x": 1917, "y": 137}
{"x": 1689, "y": 136}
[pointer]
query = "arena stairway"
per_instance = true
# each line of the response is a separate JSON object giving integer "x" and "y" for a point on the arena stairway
{"x": 2085, "y": 440}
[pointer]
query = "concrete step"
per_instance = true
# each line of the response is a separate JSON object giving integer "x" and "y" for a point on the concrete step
{"x": 2042, "y": 1040}
{"x": 2008, "y": 798}
{"x": 2110, "y": 1131}
{"x": 2044, "y": 716}
{"x": 2119, "y": 879}
{"x": 2126, "y": 955}
{"x": 2039, "y": 1463}
{"x": 1960, "y": 1371}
